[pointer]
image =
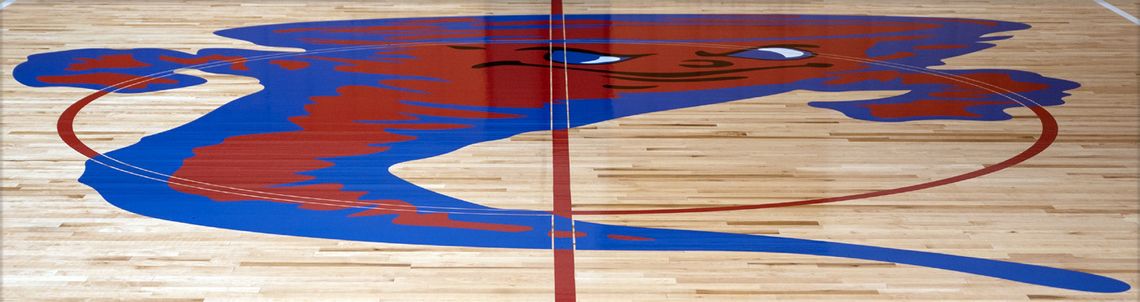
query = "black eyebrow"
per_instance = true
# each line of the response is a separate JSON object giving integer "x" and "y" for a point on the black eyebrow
{"x": 582, "y": 50}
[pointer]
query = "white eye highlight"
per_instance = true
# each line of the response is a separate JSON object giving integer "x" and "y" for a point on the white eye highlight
{"x": 788, "y": 53}
{"x": 602, "y": 60}
{"x": 773, "y": 53}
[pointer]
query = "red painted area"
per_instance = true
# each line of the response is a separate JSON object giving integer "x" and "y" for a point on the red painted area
{"x": 556, "y": 11}
{"x": 628, "y": 238}
{"x": 877, "y": 75}
{"x": 564, "y": 283}
{"x": 895, "y": 56}
{"x": 106, "y": 79}
{"x": 516, "y": 75}
{"x": 336, "y": 126}
{"x": 957, "y": 89}
{"x": 125, "y": 60}
{"x": 404, "y": 217}
{"x": 237, "y": 62}
{"x": 455, "y": 82}
{"x": 520, "y": 72}
{"x": 437, "y": 21}
{"x": 290, "y": 64}
{"x": 1005, "y": 82}
{"x": 923, "y": 108}
{"x": 567, "y": 234}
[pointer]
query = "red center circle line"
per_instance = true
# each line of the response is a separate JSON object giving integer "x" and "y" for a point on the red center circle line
{"x": 1049, "y": 130}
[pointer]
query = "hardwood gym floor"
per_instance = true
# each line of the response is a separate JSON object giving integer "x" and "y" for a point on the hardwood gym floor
{"x": 1074, "y": 206}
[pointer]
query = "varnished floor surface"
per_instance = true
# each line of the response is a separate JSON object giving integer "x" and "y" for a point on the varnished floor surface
{"x": 1073, "y": 206}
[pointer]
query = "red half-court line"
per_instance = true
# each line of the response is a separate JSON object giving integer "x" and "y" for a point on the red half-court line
{"x": 564, "y": 283}
{"x": 1046, "y": 138}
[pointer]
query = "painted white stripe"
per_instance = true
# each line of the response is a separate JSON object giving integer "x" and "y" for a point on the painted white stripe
{"x": 1118, "y": 11}
{"x": 6, "y": 3}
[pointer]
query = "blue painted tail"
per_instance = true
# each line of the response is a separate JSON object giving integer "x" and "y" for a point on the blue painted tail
{"x": 664, "y": 239}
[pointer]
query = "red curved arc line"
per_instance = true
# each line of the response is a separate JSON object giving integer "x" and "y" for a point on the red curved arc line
{"x": 1048, "y": 135}
{"x": 65, "y": 128}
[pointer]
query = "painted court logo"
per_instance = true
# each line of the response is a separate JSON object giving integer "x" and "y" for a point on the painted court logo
{"x": 309, "y": 154}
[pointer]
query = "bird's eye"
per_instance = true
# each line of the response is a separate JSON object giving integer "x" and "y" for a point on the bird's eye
{"x": 773, "y": 53}
{"x": 570, "y": 56}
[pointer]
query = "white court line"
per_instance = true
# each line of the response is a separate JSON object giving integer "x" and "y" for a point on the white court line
{"x": 6, "y": 3}
{"x": 566, "y": 89}
{"x": 1118, "y": 11}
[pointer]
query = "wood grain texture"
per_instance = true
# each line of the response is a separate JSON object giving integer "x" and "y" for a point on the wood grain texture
{"x": 1074, "y": 206}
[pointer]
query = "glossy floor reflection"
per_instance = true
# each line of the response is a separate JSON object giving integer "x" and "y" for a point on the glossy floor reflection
{"x": 335, "y": 144}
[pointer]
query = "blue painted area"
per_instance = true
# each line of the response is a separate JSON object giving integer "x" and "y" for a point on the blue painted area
{"x": 56, "y": 63}
{"x": 581, "y": 57}
{"x": 709, "y": 241}
{"x": 286, "y": 95}
{"x": 773, "y": 53}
